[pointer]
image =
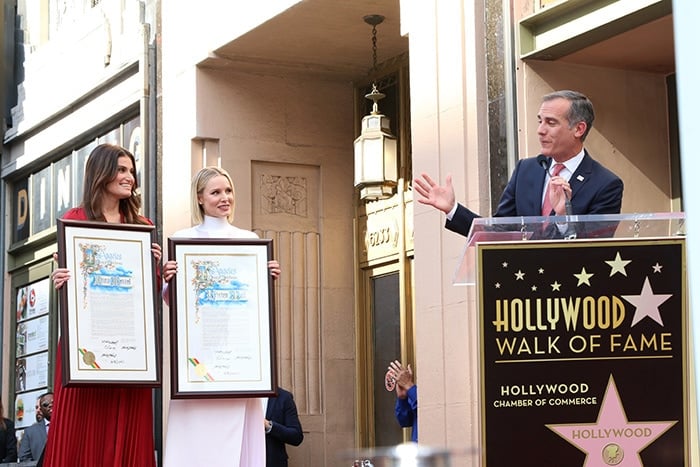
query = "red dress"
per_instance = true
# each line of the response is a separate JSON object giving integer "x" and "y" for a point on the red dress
{"x": 100, "y": 426}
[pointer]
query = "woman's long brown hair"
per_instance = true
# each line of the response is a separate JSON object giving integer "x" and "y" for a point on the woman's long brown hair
{"x": 100, "y": 169}
{"x": 2, "y": 416}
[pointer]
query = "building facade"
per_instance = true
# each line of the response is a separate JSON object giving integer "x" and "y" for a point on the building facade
{"x": 274, "y": 93}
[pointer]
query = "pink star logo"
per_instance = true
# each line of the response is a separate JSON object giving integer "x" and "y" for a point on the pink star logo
{"x": 647, "y": 303}
{"x": 612, "y": 439}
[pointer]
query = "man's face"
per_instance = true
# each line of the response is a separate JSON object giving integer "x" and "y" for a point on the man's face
{"x": 46, "y": 406}
{"x": 557, "y": 140}
{"x": 37, "y": 411}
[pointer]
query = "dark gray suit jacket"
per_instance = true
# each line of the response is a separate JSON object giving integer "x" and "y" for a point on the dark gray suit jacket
{"x": 33, "y": 442}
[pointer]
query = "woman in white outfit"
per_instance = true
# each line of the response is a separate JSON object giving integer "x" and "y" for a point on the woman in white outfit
{"x": 214, "y": 432}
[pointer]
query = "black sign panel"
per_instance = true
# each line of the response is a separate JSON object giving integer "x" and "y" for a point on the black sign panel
{"x": 583, "y": 353}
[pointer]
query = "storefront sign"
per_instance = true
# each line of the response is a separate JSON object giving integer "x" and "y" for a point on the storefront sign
{"x": 44, "y": 196}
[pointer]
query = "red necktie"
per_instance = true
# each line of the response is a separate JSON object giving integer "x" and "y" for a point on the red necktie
{"x": 546, "y": 204}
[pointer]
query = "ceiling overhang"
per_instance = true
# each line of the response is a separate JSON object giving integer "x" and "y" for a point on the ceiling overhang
{"x": 318, "y": 37}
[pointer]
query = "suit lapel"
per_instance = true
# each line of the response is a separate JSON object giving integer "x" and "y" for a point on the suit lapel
{"x": 582, "y": 174}
{"x": 534, "y": 177}
{"x": 270, "y": 407}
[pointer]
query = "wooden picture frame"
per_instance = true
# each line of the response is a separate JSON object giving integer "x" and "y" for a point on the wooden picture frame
{"x": 108, "y": 313}
{"x": 222, "y": 327}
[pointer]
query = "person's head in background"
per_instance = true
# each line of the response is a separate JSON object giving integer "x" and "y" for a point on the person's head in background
{"x": 110, "y": 177}
{"x": 213, "y": 195}
{"x": 565, "y": 119}
{"x": 37, "y": 410}
{"x": 46, "y": 405}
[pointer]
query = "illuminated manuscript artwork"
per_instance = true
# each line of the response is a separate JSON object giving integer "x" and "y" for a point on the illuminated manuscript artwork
{"x": 583, "y": 353}
{"x": 222, "y": 318}
{"x": 108, "y": 313}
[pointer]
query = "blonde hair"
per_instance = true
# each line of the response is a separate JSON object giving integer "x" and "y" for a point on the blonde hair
{"x": 199, "y": 182}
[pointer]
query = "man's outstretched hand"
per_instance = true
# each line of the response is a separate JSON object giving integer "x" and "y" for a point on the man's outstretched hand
{"x": 432, "y": 194}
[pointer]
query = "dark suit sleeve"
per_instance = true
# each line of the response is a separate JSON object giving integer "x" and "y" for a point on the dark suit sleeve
{"x": 506, "y": 205}
{"x": 10, "y": 442}
{"x": 461, "y": 221}
{"x": 522, "y": 196}
{"x": 25, "y": 451}
{"x": 288, "y": 429}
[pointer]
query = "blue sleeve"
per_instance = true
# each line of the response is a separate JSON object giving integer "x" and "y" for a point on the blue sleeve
{"x": 405, "y": 409}
{"x": 413, "y": 398}
{"x": 403, "y": 413}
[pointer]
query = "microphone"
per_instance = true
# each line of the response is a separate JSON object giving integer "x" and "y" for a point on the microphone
{"x": 567, "y": 205}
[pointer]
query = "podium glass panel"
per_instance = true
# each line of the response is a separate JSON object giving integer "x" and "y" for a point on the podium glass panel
{"x": 565, "y": 229}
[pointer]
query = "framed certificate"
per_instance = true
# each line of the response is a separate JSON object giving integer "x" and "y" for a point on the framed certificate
{"x": 222, "y": 319}
{"x": 108, "y": 319}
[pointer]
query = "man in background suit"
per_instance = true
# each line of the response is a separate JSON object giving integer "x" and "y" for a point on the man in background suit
{"x": 34, "y": 438}
{"x": 565, "y": 119}
{"x": 282, "y": 426}
{"x": 37, "y": 410}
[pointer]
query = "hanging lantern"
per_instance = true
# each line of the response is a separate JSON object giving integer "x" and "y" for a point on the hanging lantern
{"x": 376, "y": 170}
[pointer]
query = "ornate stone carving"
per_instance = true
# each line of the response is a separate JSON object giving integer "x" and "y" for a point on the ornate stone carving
{"x": 281, "y": 194}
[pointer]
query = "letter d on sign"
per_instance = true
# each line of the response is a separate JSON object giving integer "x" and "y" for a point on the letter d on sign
{"x": 22, "y": 208}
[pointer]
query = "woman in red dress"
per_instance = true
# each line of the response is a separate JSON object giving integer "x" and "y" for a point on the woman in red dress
{"x": 103, "y": 426}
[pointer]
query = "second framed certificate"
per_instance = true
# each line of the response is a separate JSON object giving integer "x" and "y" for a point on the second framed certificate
{"x": 222, "y": 319}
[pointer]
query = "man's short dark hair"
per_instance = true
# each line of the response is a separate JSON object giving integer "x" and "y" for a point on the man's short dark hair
{"x": 581, "y": 109}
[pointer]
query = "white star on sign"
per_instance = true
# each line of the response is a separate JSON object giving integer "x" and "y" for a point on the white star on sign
{"x": 647, "y": 303}
{"x": 519, "y": 276}
{"x": 583, "y": 277}
{"x": 618, "y": 265}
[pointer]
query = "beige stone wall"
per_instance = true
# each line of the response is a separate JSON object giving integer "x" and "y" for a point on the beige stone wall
{"x": 289, "y": 151}
{"x": 449, "y": 137}
{"x": 630, "y": 132}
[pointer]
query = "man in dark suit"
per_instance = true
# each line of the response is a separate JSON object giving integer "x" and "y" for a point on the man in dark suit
{"x": 282, "y": 426}
{"x": 565, "y": 119}
{"x": 34, "y": 438}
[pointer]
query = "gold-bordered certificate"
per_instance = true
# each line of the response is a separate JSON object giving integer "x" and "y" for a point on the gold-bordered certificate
{"x": 108, "y": 313}
{"x": 222, "y": 318}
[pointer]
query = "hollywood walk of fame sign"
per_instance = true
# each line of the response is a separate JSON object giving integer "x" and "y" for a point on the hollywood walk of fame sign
{"x": 583, "y": 353}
